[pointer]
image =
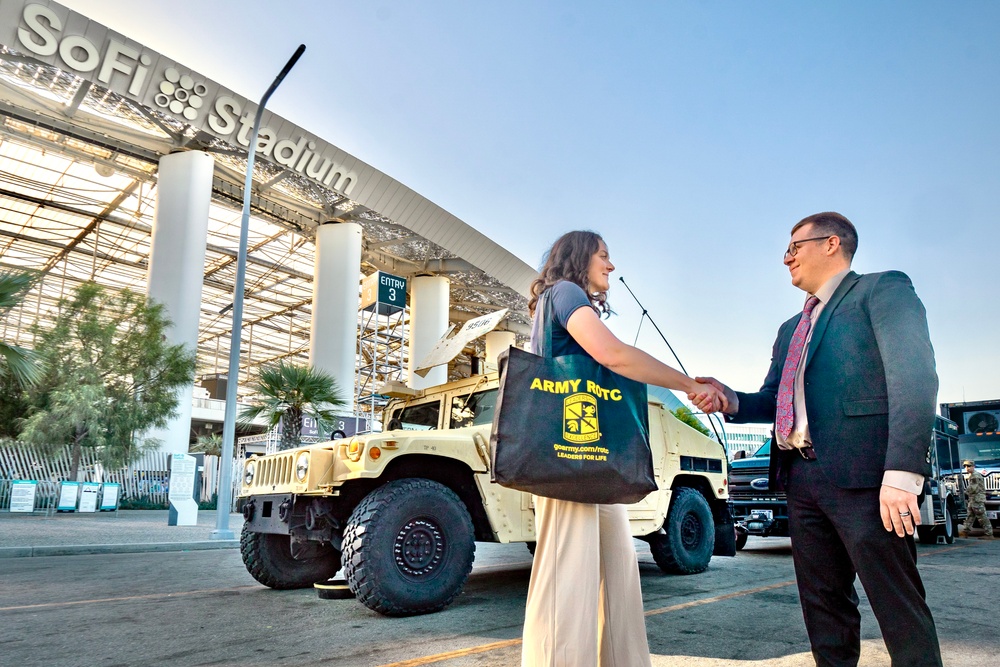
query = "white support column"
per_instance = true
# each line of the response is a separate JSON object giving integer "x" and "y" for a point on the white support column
{"x": 177, "y": 266}
{"x": 336, "y": 278}
{"x": 430, "y": 299}
{"x": 497, "y": 342}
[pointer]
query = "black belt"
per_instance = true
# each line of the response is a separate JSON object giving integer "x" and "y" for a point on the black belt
{"x": 808, "y": 453}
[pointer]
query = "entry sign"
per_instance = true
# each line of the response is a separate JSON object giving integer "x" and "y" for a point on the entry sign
{"x": 183, "y": 508}
{"x": 384, "y": 292}
{"x": 22, "y": 496}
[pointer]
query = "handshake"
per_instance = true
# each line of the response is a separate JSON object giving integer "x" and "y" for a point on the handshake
{"x": 709, "y": 395}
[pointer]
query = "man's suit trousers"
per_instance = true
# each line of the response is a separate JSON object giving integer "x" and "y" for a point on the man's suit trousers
{"x": 584, "y": 604}
{"x": 837, "y": 535}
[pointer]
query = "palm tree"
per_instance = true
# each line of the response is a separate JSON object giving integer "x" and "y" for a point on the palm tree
{"x": 286, "y": 393}
{"x": 207, "y": 444}
{"x": 17, "y": 361}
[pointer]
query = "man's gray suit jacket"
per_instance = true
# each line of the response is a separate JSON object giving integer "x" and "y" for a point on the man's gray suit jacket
{"x": 870, "y": 383}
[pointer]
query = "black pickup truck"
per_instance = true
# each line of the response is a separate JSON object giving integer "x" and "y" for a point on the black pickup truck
{"x": 759, "y": 511}
{"x": 756, "y": 509}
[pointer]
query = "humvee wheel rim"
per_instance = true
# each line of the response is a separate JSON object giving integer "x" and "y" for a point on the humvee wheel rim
{"x": 419, "y": 548}
{"x": 690, "y": 531}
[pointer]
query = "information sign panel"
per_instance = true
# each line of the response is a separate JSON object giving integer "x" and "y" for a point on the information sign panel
{"x": 183, "y": 508}
{"x": 182, "y": 469}
{"x": 68, "y": 492}
{"x": 109, "y": 496}
{"x": 88, "y": 497}
{"x": 22, "y": 496}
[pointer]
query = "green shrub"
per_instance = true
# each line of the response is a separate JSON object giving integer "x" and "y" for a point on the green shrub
{"x": 209, "y": 504}
{"x": 142, "y": 504}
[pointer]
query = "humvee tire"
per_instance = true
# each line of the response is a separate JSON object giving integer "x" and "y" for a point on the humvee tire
{"x": 408, "y": 547}
{"x": 687, "y": 540}
{"x": 268, "y": 559}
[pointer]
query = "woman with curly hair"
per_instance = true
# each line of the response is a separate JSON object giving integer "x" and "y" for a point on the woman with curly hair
{"x": 584, "y": 605}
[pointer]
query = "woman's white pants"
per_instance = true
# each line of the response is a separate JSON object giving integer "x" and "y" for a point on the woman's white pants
{"x": 584, "y": 604}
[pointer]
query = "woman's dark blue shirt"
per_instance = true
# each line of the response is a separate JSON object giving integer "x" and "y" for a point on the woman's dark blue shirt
{"x": 566, "y": 298}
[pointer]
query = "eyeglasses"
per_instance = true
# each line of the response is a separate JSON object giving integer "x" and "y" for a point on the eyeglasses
{"x": 793, "y": 247}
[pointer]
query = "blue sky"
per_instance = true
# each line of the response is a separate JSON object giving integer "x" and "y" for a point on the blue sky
{"x": 692, "y": 135}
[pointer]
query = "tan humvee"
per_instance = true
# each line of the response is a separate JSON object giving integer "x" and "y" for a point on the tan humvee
{"x": 401, "y": 510}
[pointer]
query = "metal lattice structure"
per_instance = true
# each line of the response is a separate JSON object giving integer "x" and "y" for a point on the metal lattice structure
{"x": 381, "y": 344}
{"x": 78, "y": 180}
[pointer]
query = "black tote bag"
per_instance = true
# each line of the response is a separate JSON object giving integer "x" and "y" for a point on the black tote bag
{"x": 568, "y": 428}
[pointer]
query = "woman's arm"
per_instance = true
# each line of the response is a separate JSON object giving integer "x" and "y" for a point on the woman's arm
{"x": 593, "y": 335}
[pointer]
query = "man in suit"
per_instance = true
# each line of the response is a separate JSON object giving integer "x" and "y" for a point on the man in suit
{"x": 851, "y": 391}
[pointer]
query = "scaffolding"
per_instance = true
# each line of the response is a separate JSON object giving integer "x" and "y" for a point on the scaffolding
{"x": 381, "y": 347}
{"x": 270, "y": 441}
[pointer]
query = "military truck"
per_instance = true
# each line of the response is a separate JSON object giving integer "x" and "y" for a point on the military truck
{"x": 402, "y": 509}
{"x": 943, "y": 504}
{"x": 978, "y": 425}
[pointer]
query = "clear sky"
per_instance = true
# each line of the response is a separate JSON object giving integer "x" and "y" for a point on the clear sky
{"x": 691, "y": 135}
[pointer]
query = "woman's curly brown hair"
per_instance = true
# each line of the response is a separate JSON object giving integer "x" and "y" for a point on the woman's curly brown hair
{"x": 569, "y": 259}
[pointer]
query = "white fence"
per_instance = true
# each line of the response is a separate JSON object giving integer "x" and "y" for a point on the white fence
{"x": 145, "y": 480}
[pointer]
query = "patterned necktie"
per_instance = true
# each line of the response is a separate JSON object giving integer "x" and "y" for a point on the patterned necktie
{"x": 786, "y": 407}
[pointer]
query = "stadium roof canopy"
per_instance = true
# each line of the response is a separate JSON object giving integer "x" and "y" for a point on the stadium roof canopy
{"x": 85, "y": 115}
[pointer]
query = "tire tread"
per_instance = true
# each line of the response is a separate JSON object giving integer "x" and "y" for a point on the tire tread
{"x": 359, "y": 571}
{"x": 668, "y": 553}
{"x": 255, "y": 548}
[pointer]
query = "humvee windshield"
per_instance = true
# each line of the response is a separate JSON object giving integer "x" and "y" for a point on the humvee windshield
{"x": 420, "y": 417}
{"x": 474, "y": 409}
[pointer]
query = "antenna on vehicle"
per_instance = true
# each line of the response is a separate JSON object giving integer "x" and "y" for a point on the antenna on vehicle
{"x": 645, "y": 314}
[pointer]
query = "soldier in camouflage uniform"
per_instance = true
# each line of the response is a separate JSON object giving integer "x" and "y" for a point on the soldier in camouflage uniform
{"x": 975, "y": 494}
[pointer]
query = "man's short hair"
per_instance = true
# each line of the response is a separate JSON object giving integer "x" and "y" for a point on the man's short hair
{"x": 833, "y": 224}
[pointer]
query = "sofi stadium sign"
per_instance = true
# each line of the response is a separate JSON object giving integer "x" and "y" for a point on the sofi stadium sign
{"x": 53, "y": 34}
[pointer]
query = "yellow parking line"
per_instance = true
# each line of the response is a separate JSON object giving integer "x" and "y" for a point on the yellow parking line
{"x": 427, "y": 660}
{"x": 942, "y": 551}
{"x": 718, "y": 598}
{"x": 151, "y": 596}
{"x": 441, "y": 657}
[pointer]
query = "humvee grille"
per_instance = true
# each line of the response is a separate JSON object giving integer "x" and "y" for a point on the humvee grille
{"x": 274, "y": 470}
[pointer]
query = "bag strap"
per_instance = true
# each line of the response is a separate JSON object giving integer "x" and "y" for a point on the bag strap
{"x": 545, "y": 326}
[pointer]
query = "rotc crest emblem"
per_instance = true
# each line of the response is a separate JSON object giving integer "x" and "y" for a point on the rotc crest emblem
{"x": 580, "y": 419}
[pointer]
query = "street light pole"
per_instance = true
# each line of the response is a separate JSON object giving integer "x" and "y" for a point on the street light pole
{"x": 225, "y": 495}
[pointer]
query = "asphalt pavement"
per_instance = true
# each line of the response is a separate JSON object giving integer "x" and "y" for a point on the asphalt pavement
{"x": 743, "y": 612}
{"x": 125, "y": 531}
